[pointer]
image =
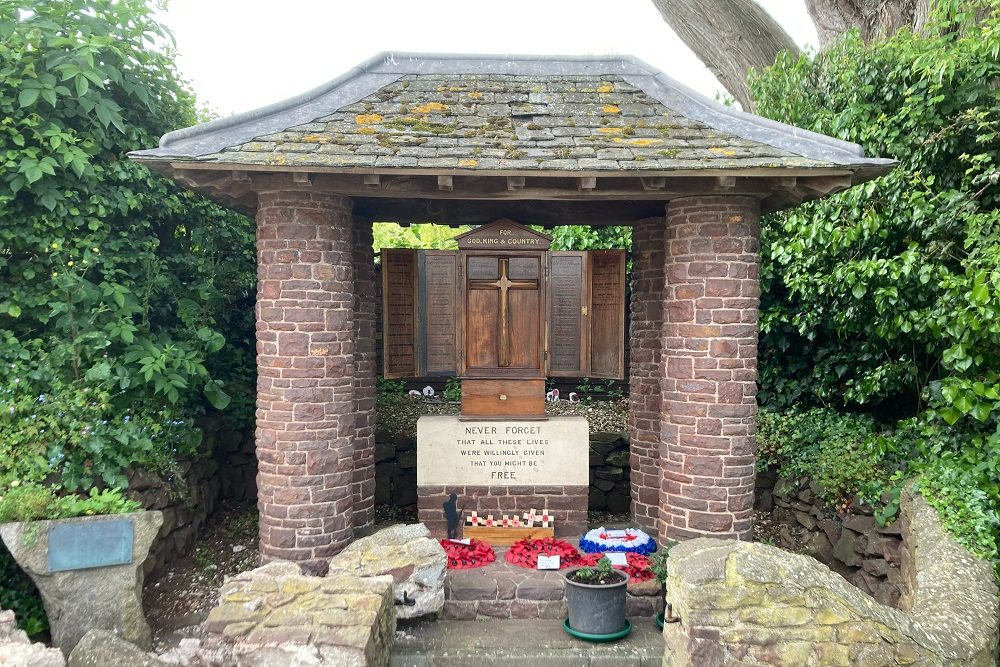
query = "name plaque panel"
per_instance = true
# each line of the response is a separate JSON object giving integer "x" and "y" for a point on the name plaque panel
{"x": 455, "y": 452}
{"x": 83, "y": 545}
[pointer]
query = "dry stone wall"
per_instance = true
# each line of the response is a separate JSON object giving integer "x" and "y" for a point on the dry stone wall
{"x": 853, "y": 545}
{"x": 226, "y": 471}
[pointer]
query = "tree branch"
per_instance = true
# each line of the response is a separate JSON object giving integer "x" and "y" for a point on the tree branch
{"x": 729, "y": 36}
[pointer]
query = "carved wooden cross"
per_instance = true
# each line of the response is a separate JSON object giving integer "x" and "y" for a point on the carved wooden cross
{"x": 504, "y": 284}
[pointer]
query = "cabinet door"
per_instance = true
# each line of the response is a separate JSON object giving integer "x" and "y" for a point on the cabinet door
{"x": 607, "y": 314}
{"x": 567, "y": 325}
{"x": 399, "y": 313}
{"x": 438, "y": 312}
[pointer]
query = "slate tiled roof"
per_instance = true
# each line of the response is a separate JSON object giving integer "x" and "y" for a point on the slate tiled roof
{"x": 481, "y": 114}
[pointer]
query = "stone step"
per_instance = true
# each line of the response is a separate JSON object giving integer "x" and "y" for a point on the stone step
{"x": 504, "y": 591}
{"x": 520, "y": 643}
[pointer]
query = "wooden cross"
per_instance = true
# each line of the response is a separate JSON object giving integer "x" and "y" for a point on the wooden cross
{"x": 545, "y": 519}
{"x": 504, "y": 284}
{"x": 489, "y": 520}
{"x": 530, "y": 517}
{"x": 473, "y": 519}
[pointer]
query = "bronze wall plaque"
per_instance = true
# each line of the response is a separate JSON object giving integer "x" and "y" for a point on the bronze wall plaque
{"x": 87, "y": 544}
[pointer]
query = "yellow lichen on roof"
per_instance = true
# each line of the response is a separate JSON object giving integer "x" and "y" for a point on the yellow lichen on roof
{"x": 611, "y": 108}
{"x": 475, "y": 95}
{"x": 316, "y": 139}
{"x": 609, "y": 130}
{"x": 367, "y": 118}
{"x": 430, "y": 107}
{"x": 723, "y": 151}
{"x": 366, "y": 130}
{"x": 468, "y": 164}
{"x": 606, "y": 87}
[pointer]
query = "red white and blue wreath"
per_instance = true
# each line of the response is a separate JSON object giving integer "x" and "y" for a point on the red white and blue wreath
{"x": 629, "y": 540}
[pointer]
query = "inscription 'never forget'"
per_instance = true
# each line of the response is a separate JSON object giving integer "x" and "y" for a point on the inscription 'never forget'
{"x": 483, "y": 453}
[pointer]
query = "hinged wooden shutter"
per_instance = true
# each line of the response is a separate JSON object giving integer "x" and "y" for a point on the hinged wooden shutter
{"x": 399, "y": 314}
{"x": 607, "y": 314}
{"x": 438, "y": 312}
{"x": 567, "y": 330}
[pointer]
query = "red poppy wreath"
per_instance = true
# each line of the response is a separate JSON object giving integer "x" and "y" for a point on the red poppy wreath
{"x": 467, "y": 556}
{"x": 526, "y": 552}
{"x": 638, "y": 568}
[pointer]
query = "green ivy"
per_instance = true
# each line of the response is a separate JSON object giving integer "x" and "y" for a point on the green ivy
{"x": 885, "y": 298}
{"x": 125, "y": 301}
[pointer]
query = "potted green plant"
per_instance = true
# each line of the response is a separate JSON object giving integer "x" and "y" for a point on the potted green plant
{"x": 85, "y": 555}
{"x": 658, "y": 564}
{"x": 595, "y": 597}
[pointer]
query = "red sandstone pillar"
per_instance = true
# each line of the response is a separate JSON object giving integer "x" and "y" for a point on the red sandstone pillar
{"x": 305, "y": 364}
{"x": 363, "y": 484}
{"x": 709, "y": 363}
{"x": 645, "y": 340}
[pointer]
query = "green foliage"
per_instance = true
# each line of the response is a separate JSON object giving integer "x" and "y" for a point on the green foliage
{"x": 19, "y": 594}
{"x": 840, "y": 452}
{"x": 29, "y": 502}
{"x": 33, "y": 502}
{"x": 115, "y": 285}
{"x": 579, "y": 237}
{"x": 425, "y": 236}
{"x": 886, "y": 297}
{"x": 891, "y": 290}
{"x": 658, "y": 561}
{"x": 389, "y": 389}
{"x": 453, "y": 389}
{"x": 602, "y": 574}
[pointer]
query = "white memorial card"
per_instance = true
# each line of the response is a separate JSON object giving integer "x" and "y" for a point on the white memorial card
{"x": 548, "y": 562}
{"x": 616, "y": 558}
{"x": 467, "y": 540}
{"x": 617, "y": 534}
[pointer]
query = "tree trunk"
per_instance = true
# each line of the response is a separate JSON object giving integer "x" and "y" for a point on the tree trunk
{"x": 874, "y": 19}
{"x": 729, "y": 36}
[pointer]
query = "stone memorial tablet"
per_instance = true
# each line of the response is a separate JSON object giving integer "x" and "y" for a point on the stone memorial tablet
{"x": 456, "y": 452}
{"x": 79, "y": 546}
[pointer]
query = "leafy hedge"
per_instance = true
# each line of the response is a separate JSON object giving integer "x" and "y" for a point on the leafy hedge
{"x": 886, "y": 298}
{"x": 125, "y": 301}
{"x": 115, "y": 285}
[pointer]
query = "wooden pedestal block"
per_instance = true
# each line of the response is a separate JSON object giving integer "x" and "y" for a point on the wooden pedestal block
{"x": 511, "y": 398}
{"x": 504, "y": 537}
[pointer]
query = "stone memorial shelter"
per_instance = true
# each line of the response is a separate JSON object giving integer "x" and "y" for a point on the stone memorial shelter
{"x": 544, "y": 141}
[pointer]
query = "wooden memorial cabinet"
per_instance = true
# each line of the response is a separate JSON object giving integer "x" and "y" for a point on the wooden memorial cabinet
{"x": 503, "y": 313}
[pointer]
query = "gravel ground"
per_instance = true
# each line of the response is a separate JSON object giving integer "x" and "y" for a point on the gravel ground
{"x": 398, "y": 414}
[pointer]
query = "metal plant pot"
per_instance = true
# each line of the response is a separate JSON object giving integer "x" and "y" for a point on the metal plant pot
{"x": 596, "y": 609}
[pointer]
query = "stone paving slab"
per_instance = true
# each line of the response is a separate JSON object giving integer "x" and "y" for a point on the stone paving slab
{"x": 520, "y": 643}
{"x": 502, "y": 590}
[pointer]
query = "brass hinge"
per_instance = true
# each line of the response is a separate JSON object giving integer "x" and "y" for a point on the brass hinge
{"x": 583, "y": 311}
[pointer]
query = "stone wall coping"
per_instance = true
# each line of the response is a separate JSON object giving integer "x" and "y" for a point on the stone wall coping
{"x": 950, "y": 608}
{"x": 952, "y": 594}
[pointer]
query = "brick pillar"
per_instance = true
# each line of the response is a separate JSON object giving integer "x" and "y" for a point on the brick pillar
{"x": 363, "y": 484}
{"x": 708, "y": 386}
{"x": 645, "y": 341}
{"x": 305, "y": 364}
